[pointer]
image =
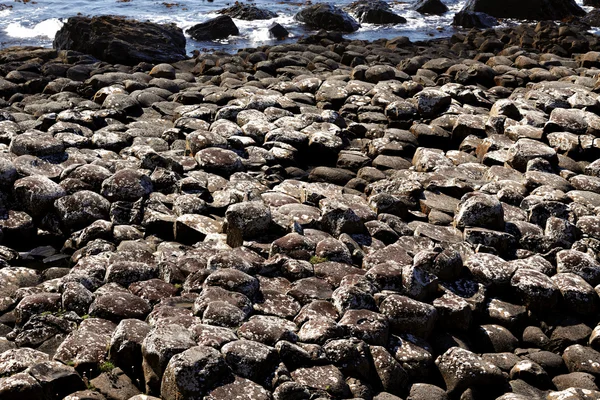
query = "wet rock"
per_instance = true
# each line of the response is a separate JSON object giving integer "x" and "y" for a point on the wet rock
{"x": 247, "y": 12}
{"x": 217, "y": 28}
{"x": 435, "y": 7}
{"x": 473, "y": 19}
{"x": 375, "y": 12}
{"x": 118, "y": 40}
{"x": 328, "y": 17}
{"x": 538, "y": 10}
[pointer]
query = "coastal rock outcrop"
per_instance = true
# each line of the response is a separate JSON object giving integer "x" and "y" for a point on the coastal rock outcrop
{"x": 328, "y": 17}
{"x": 374, "y": 12}
{"x": 123, "y": 41}
{"x": 217, "y": 28}
{"x": 536, "y": 10}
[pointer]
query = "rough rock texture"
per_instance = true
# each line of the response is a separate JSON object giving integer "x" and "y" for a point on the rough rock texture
{"x": 118, "y": 40}
{"x": 330, "y": 218}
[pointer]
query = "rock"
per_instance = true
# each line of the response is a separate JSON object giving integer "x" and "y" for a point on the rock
{"x": 193, "y": 373}
{"x": 87, "y": 346}
{"x": 159, "y": 346}
{"x": 432, "y": 102}
{"x": 580, "y": 358}
{"x": 80, "y": 209}
{"x": 480, "y": 210}
{"x": 525, "y": 150}
{"x": 117, "y": 306}
{"x": 127, "y": 185}
{"x": 579, "y": 263}
{"x": 251, "y": 360}
{"x": 536, "y": 289}
{"x": 115, "y": 385}
{"x": 36, "y": 194}
{"x": 240, "y": 388}
{"x": 581, "y": 380}
{"x": 247, "y": 12}
{"x": 126, "y": 346}
{"x": 424, "y": 391}
{"x": 328, "y": 17}
{"x": 537, "y": 10}
{"x": 122, "y": 41}
{"x": 246, "y": 220}
{"x": 408, "y": 315}
{"x": 17, "y": 360}
{"x": 277, "y": 31}
{"x": 20, "y": 386}
{"x": 217, "y": 28}
{"x": 327, "y": 378}
{"x": 462, "y": 369}
{"x": 375, "y": 12}
{"x": 472, "y": 19}
{"x": 435, "y": 7}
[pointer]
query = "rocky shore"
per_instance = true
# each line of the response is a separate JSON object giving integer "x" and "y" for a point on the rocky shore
{"x": 326, "y": 219}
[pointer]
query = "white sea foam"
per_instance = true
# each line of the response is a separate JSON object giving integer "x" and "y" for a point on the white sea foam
{"x": 47, "y": 28}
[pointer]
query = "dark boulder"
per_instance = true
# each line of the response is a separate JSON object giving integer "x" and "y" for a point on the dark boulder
{"x": 473, "y": 19}
{"x": 435, "y": 7}
{"x": 328, "y": 17}
{"x": 375, "y": 12}
{"x": 216, "y": 28}
{"x": 123, "y": 41}
{"x": 592, "y": 18}
{"x": 533, "y": 10}
{"x": 277, "y": 31}
{"x": 247, "y": 12}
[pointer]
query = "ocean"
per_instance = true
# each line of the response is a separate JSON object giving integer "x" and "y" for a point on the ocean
{"x": 35, "y": 22}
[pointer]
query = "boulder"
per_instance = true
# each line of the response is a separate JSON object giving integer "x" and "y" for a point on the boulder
{"x": 375, "y": 12}
{"x": 213, "y": 29}
{"x": 193, "y": 373}
{"x": 534, "y": 10}
{"x": 328, "y": 17}
{"x": 123, "y": 41}
{"x": 462, "y": 369}
{"x": 473, "y": 19}
{"x": 247, "y": 12}
{"x": 435, "y": 7}
{"x": 277, "y": 31}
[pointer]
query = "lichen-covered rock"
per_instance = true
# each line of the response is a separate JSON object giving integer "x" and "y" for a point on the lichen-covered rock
{"x": 193, "y": 373}
{"x": 408, "y": 315}
{"x": 462, "y": 369}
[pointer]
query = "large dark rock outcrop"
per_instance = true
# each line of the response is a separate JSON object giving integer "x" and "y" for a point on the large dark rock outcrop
{"x": 213, "y": 29}
{"x": 375, "y": 12}
{"x": 124, "y": 41}
{"x": 328, "y": 17}
{"x": 247, "y": 12}
{"x": 531, "y": 10}
{"x": 435, "y": 7}
{"x": 472, "y": 19}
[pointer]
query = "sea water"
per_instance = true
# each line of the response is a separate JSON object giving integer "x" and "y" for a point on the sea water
{"x": 35, "y": 22}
